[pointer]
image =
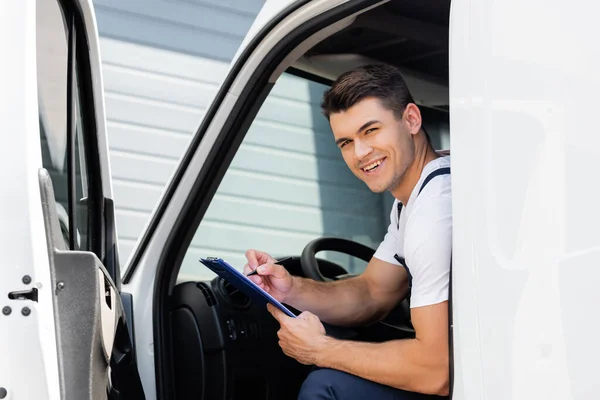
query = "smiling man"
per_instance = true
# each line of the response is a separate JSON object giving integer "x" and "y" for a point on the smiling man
{"x": 378, "y": 129}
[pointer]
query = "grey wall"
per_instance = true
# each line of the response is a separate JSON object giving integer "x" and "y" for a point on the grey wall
{"x": 288, "y": 185}
{"x": 162, "y": 63}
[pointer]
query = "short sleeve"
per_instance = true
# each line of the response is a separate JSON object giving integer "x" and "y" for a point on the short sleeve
{"x": 428, "y": 250}
{"x": 389, "y": 246}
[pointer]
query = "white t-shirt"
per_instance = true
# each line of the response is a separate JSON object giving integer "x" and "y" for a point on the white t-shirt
{"x": 423, "y": 237}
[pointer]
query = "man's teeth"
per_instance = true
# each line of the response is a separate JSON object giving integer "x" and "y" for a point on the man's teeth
{"x": 372, "y": 166}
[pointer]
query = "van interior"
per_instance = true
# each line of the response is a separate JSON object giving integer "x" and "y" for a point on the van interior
{"x": 221, "y": 345}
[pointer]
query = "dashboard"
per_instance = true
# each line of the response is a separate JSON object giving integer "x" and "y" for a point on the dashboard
{"x": 226, "y": 347}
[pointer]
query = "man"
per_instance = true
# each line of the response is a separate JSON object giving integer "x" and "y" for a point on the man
{"x": 377, "y": 128}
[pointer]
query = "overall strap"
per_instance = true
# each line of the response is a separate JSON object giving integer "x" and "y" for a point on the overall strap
{"x": 437, "y": 172}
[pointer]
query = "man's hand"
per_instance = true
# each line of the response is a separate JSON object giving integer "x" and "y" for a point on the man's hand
{"x": 272, "y": 278}
{"x": 256, "y": 258}
{"x": 302, "y": 338}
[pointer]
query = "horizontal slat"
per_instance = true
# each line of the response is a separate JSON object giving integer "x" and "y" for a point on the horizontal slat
{"x": 256, "y": 186}
{"x": 286, "y": 137}
{"x": 165, "y": 115}
{"x": 239, "y": 237}
{"x": 260, "y": 217}
{"x": 154, "y": 86}
{"x": 202, "y": 17}
{"x": 152, "y": 113}
{"x": 257, "y": 213}
{"x": 159, "y": 33}
{"x": 145, "y": 140}
{"x": 135, "y": 80}
{"x": 141, "y": 168}
{"x": 248, "y": 7}
{"x": 288, "y": 164}
{"x": 220, "y": 235}
{"x": 293, "y": 113}
{"x": 296, "y": 88}
{"x": 130, "y": 137}
{"x": 148, "y": 58}
{"x": 137, "y": 196}
{"x": 125, "y": 250}
{"x": 130, "y": 224}
{"x": 128, "y": 165}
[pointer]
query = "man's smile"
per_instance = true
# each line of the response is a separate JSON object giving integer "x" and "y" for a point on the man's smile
{"x": 373, "y": 166}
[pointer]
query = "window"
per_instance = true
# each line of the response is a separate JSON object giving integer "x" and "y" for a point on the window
{"x": 286, "y": 186}
{"x": 62, "y": 128}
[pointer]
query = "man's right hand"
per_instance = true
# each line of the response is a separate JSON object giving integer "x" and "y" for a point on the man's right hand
{"x": 272, "y": 278}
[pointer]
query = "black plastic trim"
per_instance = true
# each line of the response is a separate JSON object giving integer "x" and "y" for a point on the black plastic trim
{"x": 309, "y": 76}
{"x": 125, "y": 383}
{"x": 208, "y": 179}
{"x": 111, "y": 261}
{"x": 127, "y": 300}
{"x": 71, "y": 128}
{"x": 95, "y": 200}
{"x": 187, "y": 158}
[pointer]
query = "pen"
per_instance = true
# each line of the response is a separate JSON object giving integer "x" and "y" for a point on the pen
{"x": 276, "y": 262}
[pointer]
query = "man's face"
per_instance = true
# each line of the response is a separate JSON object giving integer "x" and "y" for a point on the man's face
{"x": 377, "y": 147}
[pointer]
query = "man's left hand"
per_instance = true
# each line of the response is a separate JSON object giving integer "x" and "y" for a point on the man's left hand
{"x": 302, "y": 338}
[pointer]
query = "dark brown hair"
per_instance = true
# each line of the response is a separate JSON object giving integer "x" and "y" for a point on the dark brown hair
{"x": 382, "y": 81}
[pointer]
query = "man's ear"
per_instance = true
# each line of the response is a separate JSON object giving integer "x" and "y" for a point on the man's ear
{"x": 412, "y": 117}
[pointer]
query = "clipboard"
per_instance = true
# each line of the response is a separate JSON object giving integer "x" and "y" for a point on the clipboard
{"x": 242, "y": 283}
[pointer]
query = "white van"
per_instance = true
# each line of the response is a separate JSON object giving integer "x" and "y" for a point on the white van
{"x": 518, "y": 90}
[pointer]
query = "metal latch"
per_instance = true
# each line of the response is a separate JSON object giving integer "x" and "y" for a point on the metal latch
{"x": 31, "y": 294}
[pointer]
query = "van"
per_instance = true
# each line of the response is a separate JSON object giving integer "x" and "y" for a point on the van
{"x": 508, "y": 88}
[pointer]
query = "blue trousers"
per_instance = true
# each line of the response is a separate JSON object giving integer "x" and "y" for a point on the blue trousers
{"x": 330, "y": 384}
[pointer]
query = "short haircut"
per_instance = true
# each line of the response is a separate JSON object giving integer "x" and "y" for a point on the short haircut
{"x": 381, "y": 81}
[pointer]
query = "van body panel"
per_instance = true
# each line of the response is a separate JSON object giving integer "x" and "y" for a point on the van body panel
{"x": 524, "y": 131}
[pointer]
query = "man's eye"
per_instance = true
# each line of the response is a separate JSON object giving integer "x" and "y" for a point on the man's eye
{"x": 345, "y": 142}
{"x": 370, "y": 130}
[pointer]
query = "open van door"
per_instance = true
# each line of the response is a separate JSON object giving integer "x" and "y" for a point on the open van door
{"x": 64, "y": 331}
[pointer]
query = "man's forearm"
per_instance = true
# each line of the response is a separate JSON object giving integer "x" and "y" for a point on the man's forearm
{"x": 404, "y": 364}
{"x": 344, "y": 302}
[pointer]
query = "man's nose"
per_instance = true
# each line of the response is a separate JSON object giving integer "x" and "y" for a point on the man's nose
{"x": 361, "y": 149}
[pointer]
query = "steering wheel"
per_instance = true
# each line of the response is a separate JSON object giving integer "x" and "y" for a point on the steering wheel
{"x": 308, "y": 259}
{"x": 399, "y": 318}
